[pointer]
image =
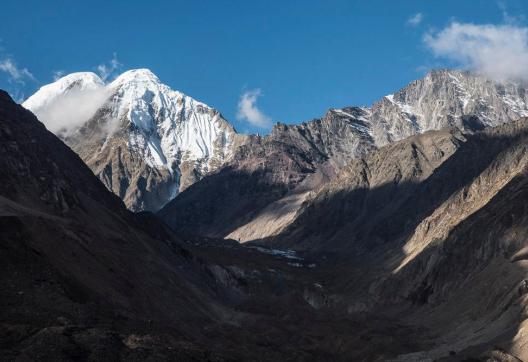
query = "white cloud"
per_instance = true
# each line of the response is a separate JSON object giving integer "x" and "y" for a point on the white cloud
{"x": 507, "y": 17}
{"x": 57, "y": 74}
{"x": 17, "y": 94}
{"x": 67, "y": 113}
{"x": 497, "y": 51}
{"x": 105, "y": 70}
{"x": 415, "y": 20}
{"x": 14, "y": 73}
{"x": 70, "y": 111}
{"x": 248, "y": 110}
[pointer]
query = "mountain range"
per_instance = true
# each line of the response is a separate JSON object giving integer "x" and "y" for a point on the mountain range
{"x": 147, "y": 142}
{"x": 146, "y": 228}
{"x": 316, "y": 151}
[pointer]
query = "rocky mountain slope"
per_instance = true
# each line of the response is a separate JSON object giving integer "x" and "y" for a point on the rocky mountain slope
{"x": 80, "y": 271}
{"x": 145, "y": 141}
{"x": 431, "y": 228}
{"x": 85, "y": 279}
{"x": 415, "y": 251}
{"x": 289, "y": 162}
{"x": 441, "y": 99}
{"x": 377, "y": 184}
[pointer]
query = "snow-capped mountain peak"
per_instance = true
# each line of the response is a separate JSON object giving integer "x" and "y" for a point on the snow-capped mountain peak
{"x": 444, "y": 98}
{"x": 166, "y": 139}
{"x": 137, "y": 75}
{"x": 47, "y": 94}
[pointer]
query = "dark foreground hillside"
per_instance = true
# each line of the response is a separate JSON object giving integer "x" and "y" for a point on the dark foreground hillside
{"x": 416, "y": 252}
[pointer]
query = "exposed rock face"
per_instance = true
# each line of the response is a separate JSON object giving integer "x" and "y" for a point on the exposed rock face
{"x": 439, "y": 100}
{"x": 365, "y": 197}
{"x": 279, "y": 169}
{"x": 442, "y": 99}
{"x": 261, "y": 172}
{"x": 145, "y": 141}
{"x": 436, "y": 222}
{"x": 340, "y": 135}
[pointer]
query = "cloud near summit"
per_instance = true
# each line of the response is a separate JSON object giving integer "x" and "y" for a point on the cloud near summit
{"x": 496, "y": 51}
{"x": 248, "y": 110}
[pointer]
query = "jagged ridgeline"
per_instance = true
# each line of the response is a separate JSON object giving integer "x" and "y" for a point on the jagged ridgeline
{"x": 147, "y": 142}
{"x": 260, "y": 191}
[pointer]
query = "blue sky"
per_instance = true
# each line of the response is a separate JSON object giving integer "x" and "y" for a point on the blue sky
{"x": 291, "y": 59}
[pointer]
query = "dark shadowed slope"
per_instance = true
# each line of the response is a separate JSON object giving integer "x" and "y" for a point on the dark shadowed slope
{"x": 77, "y": 267}
{"x": 440, "y": 241}
{"x": 84, "y": 279}
{"x": 267, "y": 173}
{"x": 361, "y": 207}
{"x": 381, "y": 198}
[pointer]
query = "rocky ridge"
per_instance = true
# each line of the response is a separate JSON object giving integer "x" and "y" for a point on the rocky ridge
{"x": 442, "y": 99}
